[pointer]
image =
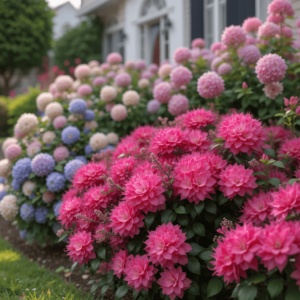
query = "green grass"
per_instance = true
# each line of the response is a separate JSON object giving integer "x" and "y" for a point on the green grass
{"x": 22, "y": 279}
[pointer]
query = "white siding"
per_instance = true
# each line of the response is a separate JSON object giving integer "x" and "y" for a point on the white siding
{"x": 187, "y": 23}
{"x": 296, "y": 5}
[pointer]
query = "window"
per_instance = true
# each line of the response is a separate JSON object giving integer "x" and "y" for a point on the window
{"x": 261, "y": 9}
{"x": 142, "y": 39}
{"x": 222, "y": 17}
{"x": 209, "y": 22}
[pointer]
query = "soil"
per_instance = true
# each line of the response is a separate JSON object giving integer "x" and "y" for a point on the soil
{"x": 51, "y": 257}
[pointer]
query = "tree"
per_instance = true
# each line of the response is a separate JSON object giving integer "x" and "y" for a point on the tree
{"x": 83, "y": 41}
{"x": 25, "y": 37}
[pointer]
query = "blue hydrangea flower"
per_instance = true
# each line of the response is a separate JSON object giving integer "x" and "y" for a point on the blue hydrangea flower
{"x": 55, "y": 182}
{"x": 71, "y": 167}
{"x": 43, "y": 164}
{"x": 77, "y": 106}
{"x": 27, "y": 212}
{"x": 109, "y": 147}
{"x": 23, "y": 234}
{"x": 73, "y": 153}
{"x": 88, "y": 149}
{"x": 22, "y": 169}
{"x": 70, "y": 135}
{"x": 82, "y": 158}
{"x": 56, "y": 227}
{"x": 56, "y": 208}
{"x": 2, "y": 194}
{"x": 40, "y": 214}
{"x": 2, "y": 179}
{"x": 16, "y": 185}
{"x": 86, "y": 131}
{"x": 89, "y": 115}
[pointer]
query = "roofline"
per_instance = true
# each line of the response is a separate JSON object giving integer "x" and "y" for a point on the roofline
{"x": 90, "y": 8}
{"x": 63, "y": 4}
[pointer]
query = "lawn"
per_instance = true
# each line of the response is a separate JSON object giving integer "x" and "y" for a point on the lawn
{"x": 22, "y": 279}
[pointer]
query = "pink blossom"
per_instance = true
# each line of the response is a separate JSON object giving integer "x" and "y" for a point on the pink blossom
{"x": 61, "y": 153}
{"x": 118, "y": 263}
{"x": 250, "y": 40}
{"x": 114, "y": 58}
{"x": 236, "y": 180}
{"x": 166, "y": 246}
{"x": 164, "y": 71}
{"x": 60, "y": 122}
{"x": 144, "y": 134}
{"x": 127, "y": 146}
{"x": 69, "y": 209}
{"x": 215, "y": 63}
{"x": 195, "y": 140}
{"x": 182, "y": 55}
{"x": 178, "y": 104}
{"x": 215, "y": 46}
{"x": 174, "y": 283}
{"x": 180, "y": 76}
{"x": 99, "y": 80}
{"x": 198, "y": 43}
{"x": 13, "y": 151}
{"x": 280, "y": 7}
{"x": 250, "y": 54}
{"x": 122, "y": 170}
{"x": 162, "y": 92}
{"x": 84, "y": 90}
{"x": 197, "y": 118}
{"x": 140, "y": 65}
{"x": 101, "y": 232}
{"x": 224, "y": 69}
{"x": 85, "y": 224}
{"x": 277, "y": 19}
{"x": 123, "y": 79}
{"x": 291, "y": 148}
{"x": 233, "y": 36}
{"x": 276, "y": 134}
{"x": 251, "y": 25}
{"x": 268, "y": 30}
{"x": 244, "y": 85}
{"x": 287, "y": 32}
{"x": 210, "y": 85}
{"x": 273, "y": 89}
{"x": 80, "y": 247}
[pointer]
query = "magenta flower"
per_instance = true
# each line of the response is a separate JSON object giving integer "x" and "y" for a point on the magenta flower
{"x": 118, "y": 263}
{"x": 197, "y": 118}
{"x": 122, "y": 169}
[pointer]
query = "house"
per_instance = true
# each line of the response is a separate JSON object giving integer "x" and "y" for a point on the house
{"x": 153, "y": 29}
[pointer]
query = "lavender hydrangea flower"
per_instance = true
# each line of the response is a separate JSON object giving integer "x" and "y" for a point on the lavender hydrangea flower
{"x": 2, "y": 179}
{"x": 56, "y": 208}
{"x": 82, "y": 158}
{"x": 88, "y": 149}
{"x": 86, "y": 131}
{"x": 71, "y": 167}
{"x": 70, "y": 135}
{"x": 27, "y": 212}
{"x": 55, "y": 182}
{"x": 40, "y": 214}
{"x": 23, "y": 234}
{"x": 22, "y": 169}
{"x": 16, "y": 185}
{"x": 153, "y": 106}
{"x": 43, "y": 164}
{"x": 77, "y": 106}
{"x": 2, "y": 194}
{"x": 89, "y": 115}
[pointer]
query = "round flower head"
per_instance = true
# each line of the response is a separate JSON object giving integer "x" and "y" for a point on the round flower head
{"x": 119, "y": 112}
{"x": 118, "y": 263}
{"x": 241, "y": 133}
{"x": 143, "y": 83}
{"x": 250, "y": 54}
{"x": 42, "y": 164}
{"x": 195, "y": 140}
{"x": 129, "y": 64}
{"x": 70, "y": 135}
{"x": 198, "y": 43}
{"x": 162, "y": 92}
{"x": 56, "y": 208}
{"x": 178, "y": 104}
{"x": 53, "y": 110}
{"x": 84, "y": 90}
{"x": 48, "y": 137}
{"x": 126, "y": 220}
{"x": 55, "y": 182}
{"x": 28, "y": 188}
{"x": 108, "y": 93}
{"x": 277, "y": 19}
{"x": 77, "y": 106}
{"x": 174, "y": 283}
{"x": 7, "y": 142}
{"x": 166, "y": 246}
{"x": 270, "y": 68}
{"x": 279, "y": 7}
{"x": 71, "y": 168}
{"x": 233, "y": 36}
{"x": 27, "y": 123}
{"x": 251, "y": 40}
{"x": 82, "y": 71}
{"x": 17, "y": 133}
{"x": 63, "y": 83}
{"x": 291, "y": 148}
{"x": 99, "y": 80}
{"x": 165, "y": 70}
{"x": 8, "y": 207}
{"x": 114, "y": 58}
{"x": 268, "y": 30}
{"x": 98, "y": 141}
{"x": 61, "y": 153}
{"x": 13, "y": 151}
{"x": 182, "y": 55}
{"x": 130, "y": 98}
{"x": 88, "y": 149}
{"x": 181, "y": 76}
{"x": 224, "y": 69}
{"x": 122, "y": 170}
{"x": 48, "y": 197}
{"x": 153, "y": 106}
{"x": 89, "y": 115}
{"x": 215, "y": 63}
{"x": 22, "y": 169}
{"x": 123, "y": 79}
{"x": 153, "y": 68}
{"x": 5, "y": 169}
{"x": 216, "y": 46}
{"x": 33, "y": 148}
{"x": 43, "y": 100}
{"x": 236, "y": 180}
{"x": 139, "y": 273}
{"x": 60, "y": 122}
{"x": 198, "y": 118}
{"x": 272, "y": 90}
{"x": 112, "y": 138}
{"x": 210, "y": 85}
{"x": 27, "y": 212}
{"x": 251, "y": 25}
{"x": 140, "y": 65}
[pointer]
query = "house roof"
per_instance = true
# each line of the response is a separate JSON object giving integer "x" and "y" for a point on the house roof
{"x": 63, "y": 4}
{"x": 95, "y": 5}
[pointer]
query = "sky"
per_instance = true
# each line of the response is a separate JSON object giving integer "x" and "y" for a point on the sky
{"x": 54, "y": 3}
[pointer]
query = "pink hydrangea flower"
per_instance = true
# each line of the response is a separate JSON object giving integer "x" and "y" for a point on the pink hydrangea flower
{"x": 268, "y": 30}
{"x": 13, "y": 151}
{"x": 280, "y": 7}
{"x": 140, "y": 65}
{"x": 251, "y": 25}
{"x": 164, "y": 71}
{"x": 275, "y": 19}
{"x": 162, "y": 92}
{"x": 272, "y": 90}
{"x": 139, "y": 273}
{"x": 182, "y": 55}
{"x": 292, "y": 148}
{"x": 174, "y": 283}
{"x": 287, "y": 32}
{"x": 180, "y": 76}
{"x": 80, "y": 247}
{"x": 61, "y": 153}
{"x": 241, "y": 133}
{"x": 195, "y": 140}
{"x": 114, "y": 58}
{"x": 215, "y": 46}
{"x": 224, "y": 69}
{"x": 251, "y": 40}
{"x": 99, "y": 80}
{"x": 118, "y": 263}
{"x": 257, "y": 209}
{"x": 210, "y": 85}
{"x": 178, "y": 104}
{"x": 69, "y": 209}
{"x": 126, "y": 220}
{"x": 198, "y": 118}
{"x": 236, "y": 180}
{"x": 84, "y": 90}
{"x": 250, "y": 54}
{"x": 60, "y": 122}
{"x": 166, "y": 246}
{"x": 123, "y": 79}
{"x": 122, "y": 170}
{"x": 198, "y": 43}
{"x": 144, "y": 191}
{"x": 233, "y": 36}
{"x": 215, "y": 63}
{"x": 193, "y": 179}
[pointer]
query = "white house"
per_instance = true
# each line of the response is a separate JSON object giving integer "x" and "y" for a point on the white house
{"x": 153, "y": 29}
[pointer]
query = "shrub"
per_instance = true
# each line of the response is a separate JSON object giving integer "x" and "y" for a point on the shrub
{"x": 3, "y": 117}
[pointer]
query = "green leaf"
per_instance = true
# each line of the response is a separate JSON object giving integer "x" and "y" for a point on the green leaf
{"x": 43, "y": 189}
{"x": 135, "y": 294}
{"x": 103, "y": 290}
{"x": 211, "y": 207}
{"x": 194, "y": 289}
{"x": 59, "y": 168}
{"x": 247, "y": 292}
{"x": 183, "y": 220}
{"x": 32, "y": 175}
{"x": 292, "y": 293}
{"x": 62, "y": 237}
{"x": 168, "y": 216}
{"x": 257, "y": 278}
{"x": 274, "y": 181}
{"x": 74, "y": 266}
{"x": 131, "y": 246}
{"x": 94, "y": 288}
{"x": 121, "y": 291}
{"x": 59, "y": 269}
{"x": 275, "y": 287}
{"x": 180, "y": 210}
{"x": 292, "y": 181}
{"x": 95, "y": 264}
{"x": 103, "y": 281}
{"x": 196, "y": 249}
{"x": 205, "y": 255}
{"x": 278, "y": 164}
{"x": 214, "y": 287}
{"x": 35, "y": 199}
{"x": 222, "y": 199}
{"x": 269, "y": 152}
{"x": 101, "y": 253}
{"x": 199, "y": 207}
{"x": 194, "y": 265}
{"x": 149, "y": 220}
{"x": 199, "y": 229}
{"x": 259, "y": 173}
{"x": 91, "y": 281}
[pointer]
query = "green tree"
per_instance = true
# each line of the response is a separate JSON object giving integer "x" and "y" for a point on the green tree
{"x": 25, "y": 37}
{"x": 83, "y": 41}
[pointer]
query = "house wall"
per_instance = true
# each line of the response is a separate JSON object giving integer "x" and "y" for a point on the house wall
{"x": 187, "y": 23}
{"x": 296, "y": 5}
